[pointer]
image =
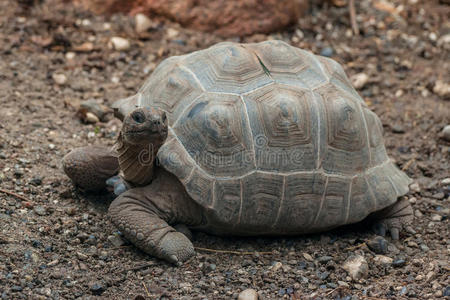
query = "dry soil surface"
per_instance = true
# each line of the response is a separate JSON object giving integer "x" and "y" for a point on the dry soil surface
{"x": 57, "y": 243}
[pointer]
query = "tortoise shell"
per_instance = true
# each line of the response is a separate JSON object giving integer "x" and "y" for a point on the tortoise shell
{"x": 263, "y": 135}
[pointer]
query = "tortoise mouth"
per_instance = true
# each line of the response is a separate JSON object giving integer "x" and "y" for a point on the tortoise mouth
{"x": 141, "y": 131}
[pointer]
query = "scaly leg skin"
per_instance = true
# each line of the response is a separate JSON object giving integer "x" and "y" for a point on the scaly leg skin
{"x": 89, "y": 167}
{"x": 394, "y": 219}
{"x": 144, "y": 214}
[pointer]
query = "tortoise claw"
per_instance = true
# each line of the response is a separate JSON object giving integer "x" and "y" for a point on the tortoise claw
{"x": 117, "y": 184}
{"x": 379, "y": 228}
{"x": 395, "y": 233}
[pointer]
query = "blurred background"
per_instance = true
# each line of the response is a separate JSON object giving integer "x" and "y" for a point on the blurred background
{"x": 63, "y": 63}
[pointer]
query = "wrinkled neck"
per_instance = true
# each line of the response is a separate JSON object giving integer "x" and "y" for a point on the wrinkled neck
{"x": 137, "y": 162}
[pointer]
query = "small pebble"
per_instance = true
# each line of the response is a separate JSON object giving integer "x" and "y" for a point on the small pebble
{"x": 356, "y": 266}
{"x": 359, "y": 80}
{"x": 445, "y": 181}
{"x": 424, "y": 248}
{"x": 415, "y": 187}
{"x": 307, "y": 256}
{"x": 16, "y": 288}
{"x": 143, "y": 23}
{"x": 446, "y": 133}
{"x": 116, "y": 240}
{"x": 441, "y": 89}
{"x": 276, "y": 266}
{"x": 70, "y": 55}
{"x": 378, "y": 245}
{"x": 171, "y": 33}
{"x": 248, "y": 294}
{"x": 382, "y": 260}
{"x": 59, "y": 79}
{"x": 327, "y": 52}
{"x": 40, "y": 210}
{"x": 324, "y": 259}
{"x": 36, "y": 180}
{"x": 398, "y": 263}
{"x": 397, "y": 128}
{"x": 91, "y": 118}
{"x": 119, "y": 43}
{"x": 97, "y": 289}
{"x": 436, "y": 218}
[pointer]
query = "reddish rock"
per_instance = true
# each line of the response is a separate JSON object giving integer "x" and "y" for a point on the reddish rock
{"x": 223, "y": 17}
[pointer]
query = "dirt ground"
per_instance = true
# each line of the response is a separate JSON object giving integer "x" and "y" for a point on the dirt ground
{"x": 57, "y": 243}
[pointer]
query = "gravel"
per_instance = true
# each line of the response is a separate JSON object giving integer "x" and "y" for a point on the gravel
{"x": 46, "y": 252}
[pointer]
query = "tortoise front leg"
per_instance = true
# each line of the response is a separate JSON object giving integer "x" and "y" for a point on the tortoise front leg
{"x": 143, "y": 215}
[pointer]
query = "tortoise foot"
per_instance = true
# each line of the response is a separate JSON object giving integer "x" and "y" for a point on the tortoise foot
{"x": 176, "y": 248}
{"x": 394, "y": 219}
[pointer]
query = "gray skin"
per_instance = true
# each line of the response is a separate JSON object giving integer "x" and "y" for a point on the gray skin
{"x": 156, "y": 210}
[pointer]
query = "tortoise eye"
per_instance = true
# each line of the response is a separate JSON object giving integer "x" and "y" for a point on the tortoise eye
{"x": 138, "y": 117}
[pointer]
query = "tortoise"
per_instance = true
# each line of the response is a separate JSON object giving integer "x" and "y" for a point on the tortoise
{"x": 244, "y": 139}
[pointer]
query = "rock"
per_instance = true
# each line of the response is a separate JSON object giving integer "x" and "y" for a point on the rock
{"x": 398, "y": 263}
{"x": 436, "y": 218}
{"x": 424, "y": 248}
{"x": 172, "y": 33}
{"x": 397, "y": 128}
{"x": 446, "y": 133}
{"x": 70, "y": 55}
{"x": 378, "y": 245}
{"x": 447, "y": 292}
{"x": 307, "y": 256}
{"x": 91, "y": 111}
{"x": 445, "y": 181}
{"x": 414, "y": 187}
{"x": 442, "y": 89}
{"x": 382, "y": 260}
{"x": 82, "y": 256}
{"x": 36, "y": 180}
{"x": 327, "y": 52}
{"x": 359, "y": 80}
{"x": 119, "y": 43}
{"x": 90, "y": 118}
{"x": 225, "y": 18}
{"x": 356, "y": 266}
{"x": 116, "y": 240}
{"x": 59, "y": 79}
{"x": 444, "y": 41}
{"x": 142, "y": 23}
{"x": 16, "y": 288}
{"x": 324, "y": 259}
{"x": 248, "y": 294}
{"x": 85, "y": 47}
{"x": 276, "y": 266}
{"x": 40, "y": 210}
{"x": 97, "y": 288}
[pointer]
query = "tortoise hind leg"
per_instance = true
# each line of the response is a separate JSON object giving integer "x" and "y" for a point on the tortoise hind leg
{"x": 142, "y": 215}
{"x": 394, "y": 219}
{"x": 89, "y": 167}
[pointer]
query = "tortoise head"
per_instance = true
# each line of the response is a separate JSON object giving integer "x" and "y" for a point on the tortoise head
{"x": 145, "y": 125}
